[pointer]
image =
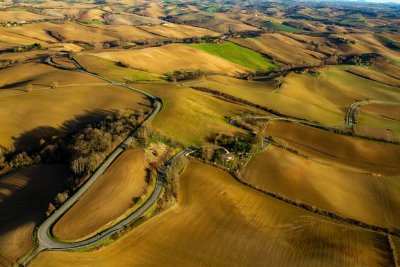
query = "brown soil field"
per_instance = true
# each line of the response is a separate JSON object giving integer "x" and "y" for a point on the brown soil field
{"x": 178, "y": 31}
{"x": 91, "y": 14}
{"x": 281, "y": 48}
{"x": 130, "y": 19}
{"x": 24, "y": 196}
{"x": 219, "y": 221}
{"x": 352, "y": 194}
{"x": 384, "y": 110}
{"x": 172, "y": 57}
{"x": 374, "y": 75}
{"x": 374, "y": 157}
{"x": 110, "y": 197}
{"x": 19, "y": 15}
{"x": 126, "y": 33}
{"x": 26, "y": 116}
{"x": 154, "y": 10}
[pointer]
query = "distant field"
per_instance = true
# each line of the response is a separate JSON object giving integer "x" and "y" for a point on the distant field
{"x": 19, "y": 15}
{"x": 24, "y": 196}
{"x": 374, "y": 157}
{"x": 219, "y": 221}
{"x": 283, "y": 49}
{"x": 172, "y": 57}
{"x": 352, "y": 194}
{"x": 110, "y": 197}
{"x": 190, "y": 116}
{"x": 238, "y": 55}
{"x": 335, "y": 89}
{"x": 263, "y": 94}
{"x": 178, "y": 31}
{"x": 281, "y": 27}
{"x": 375, "y": 75}
{"x": 76, "y": 103}
{"x": 110, "y": 69}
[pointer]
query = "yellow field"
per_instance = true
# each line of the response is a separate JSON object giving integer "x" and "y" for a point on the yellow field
{"x": 282, "y": 48}
{"x": 190, "y": 116}
{"x": 384, "y": 110}
{"x": 19, "y": 15}
{"x": 76, "y": 103}
{"x": 154, "y": 10}
{"x": 263, "y": 94}
{"x": 366, "y": 155}
{"x": 110, "y": 69}
{"x": 219, "y": 221}
{"x": 351, "y": 194}
{"x": 172, "y": 57}
{"x": 123, "y": 32}
{"x": 335, "y": 89}
{"x": 24, "y": 196}
{"x": 111, "y": 196}
{"x": 178, "y": 31}
{"x": 375, "y": 75}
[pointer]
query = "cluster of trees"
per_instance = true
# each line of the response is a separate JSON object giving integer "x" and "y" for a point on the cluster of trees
{"x": 83, "y": 151}
{"x": 181, "y": 75}
{"x": 5, "y": 63}
{"x": 27, "y": 48}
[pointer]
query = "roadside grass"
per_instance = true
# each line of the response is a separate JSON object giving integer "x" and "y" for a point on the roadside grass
{"x": 352, "y": 194}
{"x": 118, "y": 192}
{"x": 281, "y": 27}
{"x": 111, "y": 70}
{"x": 237, "y": 54}
{"x": 190, "y": 116}
{"x": 212, "y": 208}
{"x": 97, "y": 22}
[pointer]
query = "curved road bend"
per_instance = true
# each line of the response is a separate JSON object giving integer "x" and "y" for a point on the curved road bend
{"x": 45, "y": 241}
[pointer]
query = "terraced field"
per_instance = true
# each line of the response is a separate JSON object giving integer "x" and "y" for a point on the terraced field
{"x": 264, "y": 230}
{"x": 114, "y": 194}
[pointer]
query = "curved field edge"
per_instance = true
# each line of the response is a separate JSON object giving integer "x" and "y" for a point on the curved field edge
{"x": 121, "y": 190}
{"x": 197, "y": 232}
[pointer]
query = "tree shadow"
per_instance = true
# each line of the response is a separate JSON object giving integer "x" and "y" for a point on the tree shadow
{"x": 31, "y": 140}
{"x": 17, "y": 84}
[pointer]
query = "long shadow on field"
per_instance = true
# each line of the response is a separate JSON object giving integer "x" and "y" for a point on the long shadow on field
{"x": 24, "y": 198}
{"x": 30, "y": 140}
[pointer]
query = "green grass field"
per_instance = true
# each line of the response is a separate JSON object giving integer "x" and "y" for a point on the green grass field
{"x": 237, "y": 54}
{"x": 280, "y": 27}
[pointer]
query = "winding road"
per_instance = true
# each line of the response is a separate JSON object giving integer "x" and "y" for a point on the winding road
{"x": 45, "y": 240}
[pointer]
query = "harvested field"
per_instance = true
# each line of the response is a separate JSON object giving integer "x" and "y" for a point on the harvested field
{"x": 374, "y": 157}
{"x": 352, "y": 194}
{"x": 20, "y": 15}
{"x": 335, "y": 89}
{"x": 109, "y": 198}
{"x": 374, "y": 75}
{"x": 24, "y": 197}
{"x": 282, "y": 49}
{"x": 263, "y": 94}
{"x": 172, "y": 57}
{"x": 214, "y": 208}
{"x": 110, "y": 69}
{"x": 178, "y": 31}
{"x": 126, "y": 33}
{"x": 203, "y": 114}
{"x": 70, "y": 105}
{"x": 383, "y": 110}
